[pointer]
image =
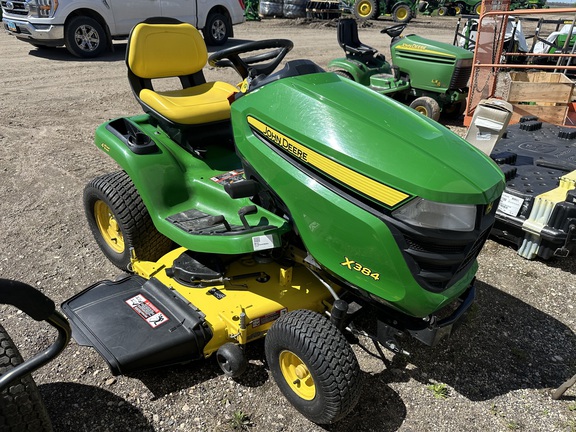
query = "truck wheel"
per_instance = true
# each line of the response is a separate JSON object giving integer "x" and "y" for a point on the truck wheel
{"x": 85, "y": 37}
{"x": 217, "y": 29}
{"x": 427, "y": 106}
{"x": 21, "y": 406}
{"x": 313, "y": 365}
{"x": 366, "y": 9}
{"x": 402, "y": 13}
{"x": 120, "y": 221}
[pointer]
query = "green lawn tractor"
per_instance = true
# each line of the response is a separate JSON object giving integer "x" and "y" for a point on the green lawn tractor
{"x": 402, "y": 11}
{"x": 304, "y": 209}
{"x": 450, "y": 7}
{"x": 431, "y": 77}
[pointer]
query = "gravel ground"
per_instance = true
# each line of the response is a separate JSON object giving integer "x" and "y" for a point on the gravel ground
{"x": 495, "y": 373}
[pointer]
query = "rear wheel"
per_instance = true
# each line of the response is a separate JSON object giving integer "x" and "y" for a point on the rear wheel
{"x": 217, "y": 30}
{"x": 119, "y": 221}
{"x": 460, "y": 8}
{"x": 366, "y": 9}
{"x": 21, "y": 406}
{"x": 85, "y": 37}
{"x": 313, "y": 365}
{"x": 344, "y": 74}
{"x": 402, "y": 13}
{"x": 478, "y": 8}
{"x": 426, "y": 106}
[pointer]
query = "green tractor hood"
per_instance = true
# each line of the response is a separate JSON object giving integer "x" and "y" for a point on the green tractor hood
{"x": 341, "y": 158}
{"x": 363, "y": 137}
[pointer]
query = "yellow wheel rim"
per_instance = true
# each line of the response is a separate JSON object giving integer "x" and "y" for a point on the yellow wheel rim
{"x": 108, "y": 226}
{"x": 422, "y": 110}
{"x": 297, "y": 375}
{"x": 401, "y": 14}
{"x": 479, "y": 9}
{"x": 364, "y": 9}
{"x": 458, "y": 10}
{"x": 441, "y": 12}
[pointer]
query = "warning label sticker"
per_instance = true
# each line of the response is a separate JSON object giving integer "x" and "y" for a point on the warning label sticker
{"x": 229, "y": 177}
{"x": 147, "y": 311}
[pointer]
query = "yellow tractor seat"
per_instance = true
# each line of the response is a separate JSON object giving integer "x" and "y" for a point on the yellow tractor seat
{"x": 161, "y": 48}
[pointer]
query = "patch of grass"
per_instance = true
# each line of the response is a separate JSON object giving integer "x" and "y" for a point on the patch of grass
{"x": 240, "y": 420}
{"x": 572, "y": 406}
{"x": 513, "y": 425}
{"x": 440, "y": 390}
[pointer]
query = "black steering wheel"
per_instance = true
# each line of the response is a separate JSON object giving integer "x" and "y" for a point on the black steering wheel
{"x": 230, "y": 57}
{"x": 395, "y": 30}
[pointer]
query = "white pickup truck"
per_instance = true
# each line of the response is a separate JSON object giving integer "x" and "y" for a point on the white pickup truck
{"x": 87, "y": 27}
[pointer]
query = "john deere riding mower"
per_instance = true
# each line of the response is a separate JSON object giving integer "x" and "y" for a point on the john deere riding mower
{"x": 282, "y": 210}
{"x": 431, "y": 77}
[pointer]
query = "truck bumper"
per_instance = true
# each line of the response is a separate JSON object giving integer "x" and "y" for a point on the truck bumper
{"x": 45, "y": 34}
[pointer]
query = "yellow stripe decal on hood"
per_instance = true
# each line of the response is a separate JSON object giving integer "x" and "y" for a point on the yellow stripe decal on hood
{"x": 361, "y": 183}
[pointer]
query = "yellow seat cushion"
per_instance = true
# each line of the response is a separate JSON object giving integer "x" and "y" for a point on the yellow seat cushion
{"x": 193, "y": 105}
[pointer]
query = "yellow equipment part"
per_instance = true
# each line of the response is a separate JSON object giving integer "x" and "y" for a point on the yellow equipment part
{"x": 243, "y": 309}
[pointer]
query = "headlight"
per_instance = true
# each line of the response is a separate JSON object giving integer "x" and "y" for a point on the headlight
{"x": 42, "y": 8}
{"x": 429, "y": 214}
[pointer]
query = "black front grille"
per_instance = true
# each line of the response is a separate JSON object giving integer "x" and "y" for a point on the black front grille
{"x": 460, "y": 77}
{"x": 438, "y": 259}
{"x": 18, "y": 8}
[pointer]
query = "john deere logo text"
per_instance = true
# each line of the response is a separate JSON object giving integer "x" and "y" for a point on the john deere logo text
{"x": 413, "y": 46}
{"x": 329, "y": 167}
{"x": 282, "y": 141}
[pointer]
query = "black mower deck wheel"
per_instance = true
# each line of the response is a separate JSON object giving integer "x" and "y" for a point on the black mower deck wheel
{"x": 313, "y": 365}
{"x": 120, "y": 221}
{"x": 231, "y": 359}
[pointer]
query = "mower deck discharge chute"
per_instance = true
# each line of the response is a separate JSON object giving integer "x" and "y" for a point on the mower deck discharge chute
{"x": 287, "y": 209}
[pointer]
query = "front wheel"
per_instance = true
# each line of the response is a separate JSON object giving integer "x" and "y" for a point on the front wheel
{"x": 21, "y": 406}
{"x": 344, "y": 74}
{"x": 217, "y": 30}
{"x": 402, "y": 13}
{"x": 426, "y": 106}
{"x": 120, "y": 221}
{"x": 85, "y": 37}
{"x": 313, "y": 365}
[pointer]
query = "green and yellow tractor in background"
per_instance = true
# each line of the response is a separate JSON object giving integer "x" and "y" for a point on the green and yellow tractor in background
{"x": 401, "y": 11}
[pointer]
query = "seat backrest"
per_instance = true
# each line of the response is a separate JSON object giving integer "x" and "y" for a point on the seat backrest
{"x": 161, "y": 48}
{"x": 348, "y": 33}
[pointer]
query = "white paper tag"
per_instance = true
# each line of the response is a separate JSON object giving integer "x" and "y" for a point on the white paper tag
{"x": 263, "y": 242}
{"x": 510, "y": 204}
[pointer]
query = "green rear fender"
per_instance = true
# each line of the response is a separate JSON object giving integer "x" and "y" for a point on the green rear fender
{"x": 170, "y": 180}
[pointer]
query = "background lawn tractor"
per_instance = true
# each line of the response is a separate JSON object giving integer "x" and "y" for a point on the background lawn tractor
{"x": 431, "y": 77}
{"x": 402, "y": 11}
{"x": 281, "y": 210}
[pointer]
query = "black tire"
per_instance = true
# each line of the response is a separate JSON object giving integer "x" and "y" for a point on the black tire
{"x": 402, "y": 13}
{"x": 460, "y": 8}
{"x": 344, "y": 74}
{"x": 366, "y": 9}
{"x": 313, "y": 365}
{"x": 422, "y": 6}
{"x": 426, "y": 106}
{"x": 21, "y": 406}
{"x": 120, "y": 221}
{"x": 231, "y": 359}
{"x": 443, "y": 11}
{"x": 85, "y": 37}
{"x": 477, "y": 8}
{"x": 217, "y": 30}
